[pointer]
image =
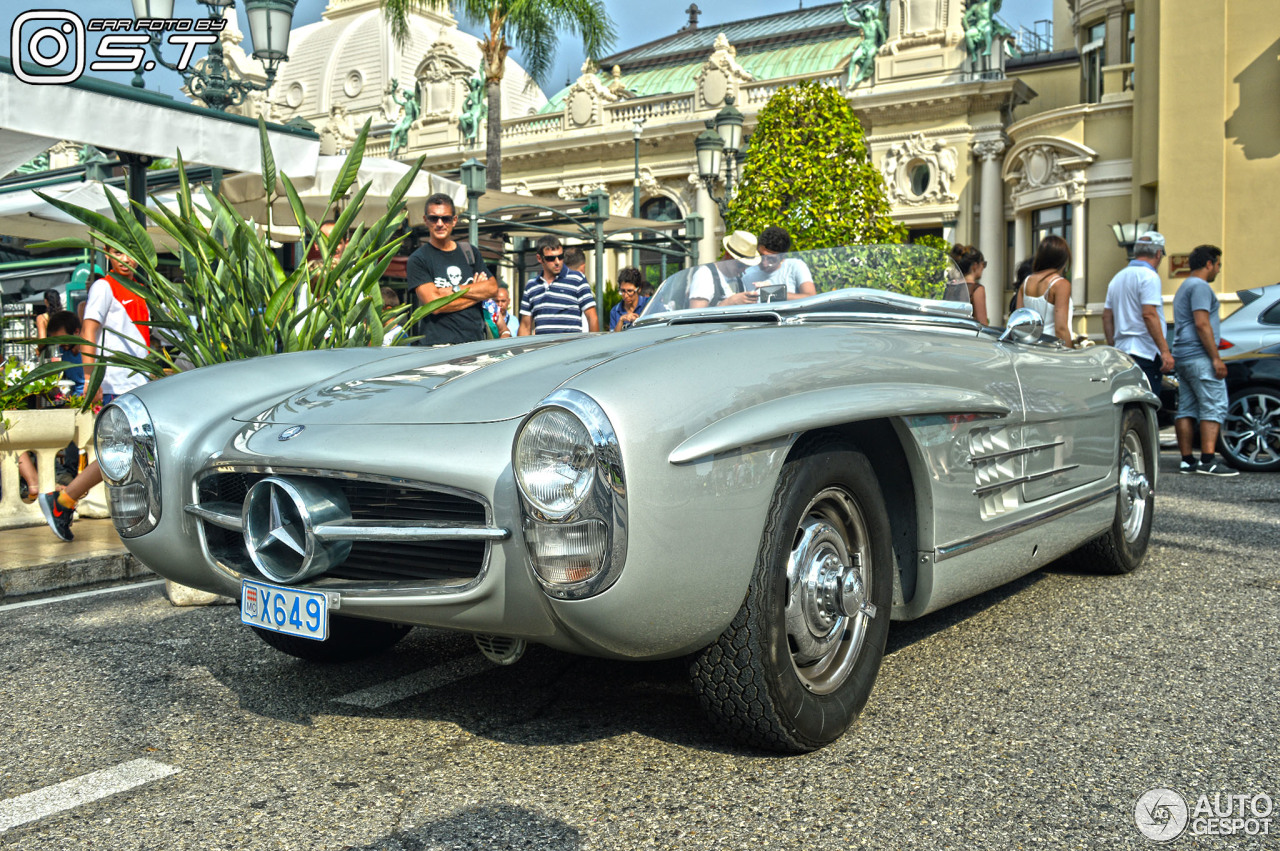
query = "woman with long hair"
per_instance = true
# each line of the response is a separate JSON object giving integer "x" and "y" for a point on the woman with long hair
{"x": 52, "y": 305}
{"x": 972, "y": 264}
{"x": 1047, "y": 289}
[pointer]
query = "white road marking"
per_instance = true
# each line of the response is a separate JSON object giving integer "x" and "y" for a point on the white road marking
{"x": 382, "y": 694}
{"x": 82, "y": 790}
{"x": 112, "y": 590}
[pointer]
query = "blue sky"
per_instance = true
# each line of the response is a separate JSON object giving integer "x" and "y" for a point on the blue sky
{"x": 636, "y": 23}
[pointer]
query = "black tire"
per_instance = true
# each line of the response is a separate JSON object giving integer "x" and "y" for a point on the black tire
{"x": 1124, "y": 546}
{"x": 1250, "y": 438}
{"x": 349, "y": 639}
{"x": 794, "y": 669}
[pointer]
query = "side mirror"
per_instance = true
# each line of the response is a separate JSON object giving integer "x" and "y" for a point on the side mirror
{"x": 1025, "y": 326}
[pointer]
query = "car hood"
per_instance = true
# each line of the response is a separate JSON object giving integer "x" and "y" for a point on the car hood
{"x": 485, "y": 382}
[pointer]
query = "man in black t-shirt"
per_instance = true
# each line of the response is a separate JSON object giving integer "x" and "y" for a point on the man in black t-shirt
{"x": 442, "y": 267}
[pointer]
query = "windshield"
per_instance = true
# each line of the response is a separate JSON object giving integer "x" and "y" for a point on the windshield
{"x": 913, "y": 270}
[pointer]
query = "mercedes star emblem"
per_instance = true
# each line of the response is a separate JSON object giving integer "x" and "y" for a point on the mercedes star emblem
{"x": 280, "y": 517}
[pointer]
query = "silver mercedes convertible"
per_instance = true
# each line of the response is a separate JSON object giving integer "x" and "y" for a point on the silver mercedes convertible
{"x": 758, "y": 487}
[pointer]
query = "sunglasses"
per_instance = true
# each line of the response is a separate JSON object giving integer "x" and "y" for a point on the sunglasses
{"x": 552, "y": 258}
{"x": 438, "y": 219}
{"x": 627, "y": 292}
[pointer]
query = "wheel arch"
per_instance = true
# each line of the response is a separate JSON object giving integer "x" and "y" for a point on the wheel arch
{"x": 883, "y": 447}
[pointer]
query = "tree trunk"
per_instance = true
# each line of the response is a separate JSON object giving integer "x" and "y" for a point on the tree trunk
{"x": 493, "y": 136}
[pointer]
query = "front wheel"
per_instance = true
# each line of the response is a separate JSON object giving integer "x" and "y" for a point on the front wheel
{"x": 797, "y": 664}
{"x": 349, "y": 639}
{"x": 1124, "y": 546}
{"x": 1250, "y": 436}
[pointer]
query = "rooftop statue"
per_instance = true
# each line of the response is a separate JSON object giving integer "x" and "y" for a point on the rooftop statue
{"x": 871, "y": 23}
{"x": 475, "y": 110}
{"x": 408, "y": 115}
{"x": 981, "y": 28}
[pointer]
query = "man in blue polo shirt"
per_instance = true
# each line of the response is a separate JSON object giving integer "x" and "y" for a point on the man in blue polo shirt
{"x": 556, "y": 301}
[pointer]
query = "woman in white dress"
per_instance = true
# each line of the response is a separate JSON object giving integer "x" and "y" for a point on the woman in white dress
{"x": 1047, "y": 290}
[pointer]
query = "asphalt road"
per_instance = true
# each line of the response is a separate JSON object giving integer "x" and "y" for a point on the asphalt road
{"x": 1034, "y": 716}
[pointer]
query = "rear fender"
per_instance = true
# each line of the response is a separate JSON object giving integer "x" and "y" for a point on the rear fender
{"x": 818, "y": 409}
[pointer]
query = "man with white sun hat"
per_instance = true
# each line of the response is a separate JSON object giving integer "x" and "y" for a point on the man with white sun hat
{"x": 719, "y": 284}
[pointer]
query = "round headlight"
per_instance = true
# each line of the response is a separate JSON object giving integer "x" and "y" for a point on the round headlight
{"x": 114, "y": 436}
{"x": 555, "y": 462}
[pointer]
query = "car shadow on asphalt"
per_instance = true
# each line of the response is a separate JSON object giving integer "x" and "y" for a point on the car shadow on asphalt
{"x": 547, "y": 698}
{"x": 484, "y": 827}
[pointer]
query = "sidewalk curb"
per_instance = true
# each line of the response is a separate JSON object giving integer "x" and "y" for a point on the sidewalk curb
{"x": 70, "y": 573}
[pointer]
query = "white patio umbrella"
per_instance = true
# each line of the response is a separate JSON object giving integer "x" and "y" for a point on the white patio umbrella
{"x": 245, "y": 191}
{"x": 26, "y": 214}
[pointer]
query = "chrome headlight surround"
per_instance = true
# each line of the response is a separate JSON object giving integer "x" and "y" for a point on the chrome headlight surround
{"x": 132, "y": 473}
{"x": 576, "y": 549}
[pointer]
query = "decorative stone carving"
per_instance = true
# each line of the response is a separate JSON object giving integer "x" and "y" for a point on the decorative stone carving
{"x": 586, "y": 95}
{"x": 442, "y": 77}
{"x": 920, "y": 171}
{"x": 989, "y": 149}
{"x": 522, "y": 188}
{"x": 721, "y": 74}
{"x": 616, "y": 85}
{"x": 620, "y": 202}
{"x": 64, "y": 154}
{"x": 573, "y": 191}
{"x": 338, "y": 133}
{"x": 1039, "y": 167}
{"x": 260, "y": 105}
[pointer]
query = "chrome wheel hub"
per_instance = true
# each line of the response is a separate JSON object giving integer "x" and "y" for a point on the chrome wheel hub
{"x": 828, "y": 603}
{"x": 1135, "y": 487}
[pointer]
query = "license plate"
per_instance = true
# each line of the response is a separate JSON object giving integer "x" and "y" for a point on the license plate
{"x": 287, "y": 610}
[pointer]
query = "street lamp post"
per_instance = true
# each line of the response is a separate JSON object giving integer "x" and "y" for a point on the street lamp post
{"x": 214, "y": 83}
{"x": 473, "y": 177}
{"x": 720, "y": 145}
{"x": 637, "y": 129}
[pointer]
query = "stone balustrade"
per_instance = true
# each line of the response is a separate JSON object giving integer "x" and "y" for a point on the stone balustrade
{"x": 44, "y": 433}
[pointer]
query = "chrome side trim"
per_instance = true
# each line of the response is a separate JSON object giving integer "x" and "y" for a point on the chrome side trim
{"x": 1022, "y": 480}
{"x": 974, "y": 459}
{"x": 959, "y": 547}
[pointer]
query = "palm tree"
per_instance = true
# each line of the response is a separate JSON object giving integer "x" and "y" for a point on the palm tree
{"x": 529, "y": 25}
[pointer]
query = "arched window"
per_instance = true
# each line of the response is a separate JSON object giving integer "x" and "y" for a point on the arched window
{"x": 660, "y": 209}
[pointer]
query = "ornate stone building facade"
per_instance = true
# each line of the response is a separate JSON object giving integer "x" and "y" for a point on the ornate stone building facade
{"x": 1123, "y": 111}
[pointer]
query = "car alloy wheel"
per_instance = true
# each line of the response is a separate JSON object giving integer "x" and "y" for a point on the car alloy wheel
{"x": 1250, "y": 437}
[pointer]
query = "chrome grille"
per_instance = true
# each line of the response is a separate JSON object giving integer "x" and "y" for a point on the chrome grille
{"x": 446, "y": 562}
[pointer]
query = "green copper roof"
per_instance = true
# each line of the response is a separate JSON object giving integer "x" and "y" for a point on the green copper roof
{"x": 765, "y": 65}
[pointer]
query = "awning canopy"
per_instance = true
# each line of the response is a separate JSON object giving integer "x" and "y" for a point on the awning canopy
{"x": 122, "y": 118}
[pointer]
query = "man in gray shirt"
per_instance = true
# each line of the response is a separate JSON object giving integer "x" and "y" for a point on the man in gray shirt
{"x": 1202, "y": 386}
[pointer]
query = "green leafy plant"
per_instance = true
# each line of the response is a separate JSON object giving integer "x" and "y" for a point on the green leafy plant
{"x": 233, "y": 299}
{"x": 19, "y": 389}
{"x": 808, "y": 170}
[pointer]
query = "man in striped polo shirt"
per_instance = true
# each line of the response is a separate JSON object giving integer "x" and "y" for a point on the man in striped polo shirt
{"x": 556, "y": 301}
